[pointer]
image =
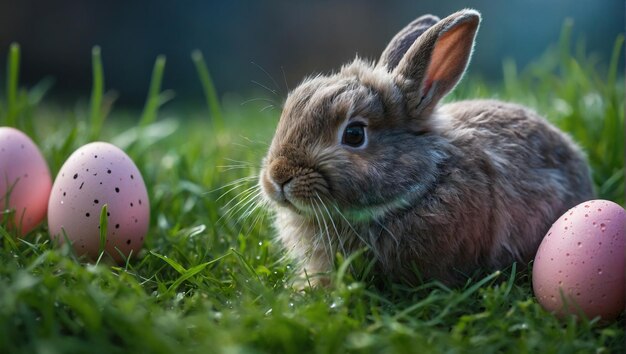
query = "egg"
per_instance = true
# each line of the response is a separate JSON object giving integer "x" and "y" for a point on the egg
{"x": 25, "y": 181}
{"x": 580, "y": 264}
{"x": 94, "y": 175}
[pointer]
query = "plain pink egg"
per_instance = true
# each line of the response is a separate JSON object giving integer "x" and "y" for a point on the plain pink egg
{"x": 94, "y": 175}
{"x": 25, "y": 181}
{"x": 580, "y": 263}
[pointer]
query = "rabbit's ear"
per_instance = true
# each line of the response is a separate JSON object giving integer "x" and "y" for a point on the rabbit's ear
{"x": 436, "y": 61}
{"x": 401, "y": 42}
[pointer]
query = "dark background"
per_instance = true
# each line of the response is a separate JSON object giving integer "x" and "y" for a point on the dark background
{"x": 299, "y": 37}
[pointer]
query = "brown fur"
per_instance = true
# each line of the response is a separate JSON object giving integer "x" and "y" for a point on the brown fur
{"x": 443, "y": 190}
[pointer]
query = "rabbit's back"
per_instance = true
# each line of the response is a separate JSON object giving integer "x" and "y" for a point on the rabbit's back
{"x": 536, "y": 171}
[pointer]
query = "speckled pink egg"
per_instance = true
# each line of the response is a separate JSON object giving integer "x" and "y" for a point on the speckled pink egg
{"x": 24, "y": 181}
{"x": 94, "y": 175}
{"x": 580, "y": 264}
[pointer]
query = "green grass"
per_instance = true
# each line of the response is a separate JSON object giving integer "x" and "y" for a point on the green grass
{"x": 210, "y": 280}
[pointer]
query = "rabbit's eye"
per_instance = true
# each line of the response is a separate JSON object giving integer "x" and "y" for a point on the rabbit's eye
{"x": 354, "y": 134}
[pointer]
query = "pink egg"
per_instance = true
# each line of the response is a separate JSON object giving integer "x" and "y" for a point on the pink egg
{"x": 580, "y": 264}
{"x": 24, "y": 181}
{"x": 94, "y": 175}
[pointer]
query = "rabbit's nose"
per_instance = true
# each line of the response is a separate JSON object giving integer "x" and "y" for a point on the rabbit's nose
{"x": 280, "y": 171}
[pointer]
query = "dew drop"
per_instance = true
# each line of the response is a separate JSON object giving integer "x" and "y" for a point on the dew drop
{"x": 603, "y": 227}
{"x": 599, "y": 271}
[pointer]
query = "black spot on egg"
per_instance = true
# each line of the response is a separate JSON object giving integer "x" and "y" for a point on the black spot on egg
{"x": 87, "y": 214}
{"x": 75, "y": 175}
{"x": 139, "y": 201}
{"x": 132, "y": 177}
{"x": 109, "y": 171}
{"x": 128, "y": 242}
{"x": 96, "y": 201}
{"x": 131, "y": 205}
{"x": 64, "y": 194}
{"x": 117, "y": 226}
{"x": 117, "y": 190}
{"x": 81, "y": 185}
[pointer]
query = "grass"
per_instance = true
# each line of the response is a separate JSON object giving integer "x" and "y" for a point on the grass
{"x": 210, "y": 280}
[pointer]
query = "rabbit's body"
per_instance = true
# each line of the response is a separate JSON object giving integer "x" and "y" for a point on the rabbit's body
{"x": 366, "y": 158}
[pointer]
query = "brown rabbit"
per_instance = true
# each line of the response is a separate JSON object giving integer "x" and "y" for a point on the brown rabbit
{"x": 367, "y": 158}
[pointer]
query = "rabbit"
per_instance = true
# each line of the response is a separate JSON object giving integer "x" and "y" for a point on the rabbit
{"x": 368, "y": 158}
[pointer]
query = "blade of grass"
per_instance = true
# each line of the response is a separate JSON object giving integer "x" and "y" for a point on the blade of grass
{"x": 614, "y": 63}
{"x": 96, "y": 118}
{"x": 103, "y": 228}
{"x": 8, "y": 238}
{"x": 153, "y": 101}
{"x": 13, "y": 72}
{"x": 195, "y": 270}
{"x": 209, "y": 90}
{"x": 179, "y": 268}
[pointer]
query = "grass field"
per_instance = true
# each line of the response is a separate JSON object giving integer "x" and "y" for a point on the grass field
{"x": 210, "y": 278}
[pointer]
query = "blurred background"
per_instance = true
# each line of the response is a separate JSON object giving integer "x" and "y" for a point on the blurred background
{"x": 288, "y": 39}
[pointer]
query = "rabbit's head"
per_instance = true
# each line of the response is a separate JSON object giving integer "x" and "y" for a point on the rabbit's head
{"x": 365, "y": 140}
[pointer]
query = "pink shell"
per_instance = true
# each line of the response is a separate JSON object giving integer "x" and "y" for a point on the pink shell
{"x": 24, "y": 180}
{"x": 94, "y": 175}
{"x": 582, "y": 260}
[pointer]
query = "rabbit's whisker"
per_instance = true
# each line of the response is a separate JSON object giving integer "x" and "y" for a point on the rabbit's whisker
{"x": 233, "y": 185}
{"x": 329, "y": 249}
{"x": 248, "y": 193}
{"x": 265, "y": 87}
{"x": 266, "y": 73}
{"x": 338, "y": 235}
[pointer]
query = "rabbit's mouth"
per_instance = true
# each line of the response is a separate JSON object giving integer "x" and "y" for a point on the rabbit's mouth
{"x": 301, "y": 193}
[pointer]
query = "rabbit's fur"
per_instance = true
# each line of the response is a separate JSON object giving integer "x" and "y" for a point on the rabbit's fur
{"x": 439, "y": 191}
